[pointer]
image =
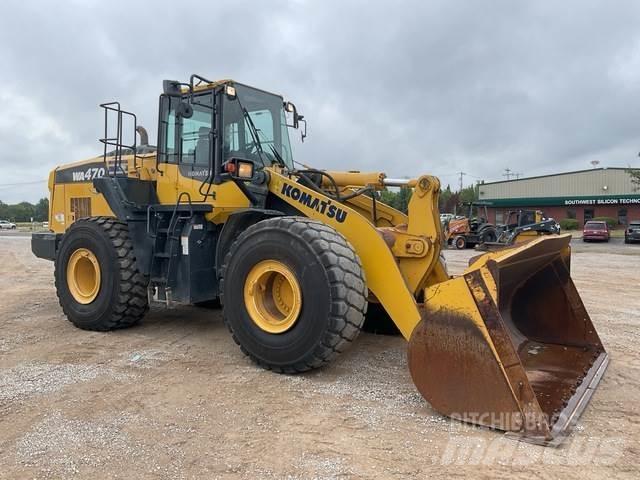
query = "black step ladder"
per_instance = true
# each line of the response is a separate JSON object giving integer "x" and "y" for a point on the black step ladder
{"x": 166, "y": 232}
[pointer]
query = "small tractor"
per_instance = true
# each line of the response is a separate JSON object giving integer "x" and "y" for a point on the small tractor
{"x": 522, "y": 226}
{"x": 219, "y": 211}
{"x": 472, "y": 230}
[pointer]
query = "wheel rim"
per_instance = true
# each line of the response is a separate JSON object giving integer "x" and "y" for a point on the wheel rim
{"x": 460, "y": 243}
{"x": 83, "y": 276}
{"x": 272, "y": 296}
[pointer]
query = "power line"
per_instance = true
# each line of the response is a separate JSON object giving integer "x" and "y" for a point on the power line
{"x": 510, "y": 174}
{"x": 22, "y": 183}
{"x": 473, "y": 176}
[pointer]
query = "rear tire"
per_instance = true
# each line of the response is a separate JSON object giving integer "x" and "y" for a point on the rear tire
{"x": 488, "y": 235}
{"x": 460, "y": 242}
{"x": 121, "y": 298}
{"x": 331, "y": 284}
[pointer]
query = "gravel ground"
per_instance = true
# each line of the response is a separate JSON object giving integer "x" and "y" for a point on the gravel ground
{"x": 175, "y": 398}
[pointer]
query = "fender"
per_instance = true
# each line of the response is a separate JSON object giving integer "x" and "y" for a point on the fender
{"x": 237, "y": 222}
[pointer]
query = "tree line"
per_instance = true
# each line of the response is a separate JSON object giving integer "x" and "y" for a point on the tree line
{"x": 25, "y": 211}
{"x": 448, "y": 202}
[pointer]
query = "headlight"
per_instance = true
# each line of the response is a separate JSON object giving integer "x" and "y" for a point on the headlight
{"x": 245, "y": 170}
{"x": 230, "y": 90}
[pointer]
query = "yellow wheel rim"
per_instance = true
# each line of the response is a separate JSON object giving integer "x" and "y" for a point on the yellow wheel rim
{"x": 83, "y": 276}
{"x": 272, "y": 296}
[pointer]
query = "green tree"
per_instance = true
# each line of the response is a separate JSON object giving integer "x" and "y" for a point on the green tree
{"x": 445, "y": 199}
{"x": 25, "y": 211}
{"x": 398, "y": 200}
{"x": 469, "y": 194}
{"x": 402, "y": 200}
{"x": 634, "y": 173}
{"x": 41, "y": 210}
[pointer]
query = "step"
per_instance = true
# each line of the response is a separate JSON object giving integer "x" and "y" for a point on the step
{"x": 154, "y": 300}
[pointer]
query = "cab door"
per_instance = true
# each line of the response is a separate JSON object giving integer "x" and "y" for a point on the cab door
{"x": 185, "y": 144}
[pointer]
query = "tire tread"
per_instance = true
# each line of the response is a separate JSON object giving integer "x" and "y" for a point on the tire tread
{"x": 132, "y": 303}
{"x": 346, "y": 280}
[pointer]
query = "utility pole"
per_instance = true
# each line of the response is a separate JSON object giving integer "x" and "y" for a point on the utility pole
{"x": 462, "y": 174}
{"x": 517, "y": 175}
{"x": 507, "y": 173}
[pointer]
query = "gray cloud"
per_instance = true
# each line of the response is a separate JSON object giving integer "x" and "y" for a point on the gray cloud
{"x": 402, "y": 87}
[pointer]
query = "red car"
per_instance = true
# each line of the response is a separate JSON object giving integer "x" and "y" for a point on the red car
{"x": 595, "y": 231}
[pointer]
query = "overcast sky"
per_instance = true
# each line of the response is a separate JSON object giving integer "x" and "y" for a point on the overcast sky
{"x": 402, "y": 87}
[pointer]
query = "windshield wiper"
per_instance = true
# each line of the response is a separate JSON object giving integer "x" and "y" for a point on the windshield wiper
{"x": 277, "y": 156}
{"x": 255, "y": 134}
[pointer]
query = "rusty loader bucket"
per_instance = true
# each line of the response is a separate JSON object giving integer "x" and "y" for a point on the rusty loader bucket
{"x": 509, "y": 344}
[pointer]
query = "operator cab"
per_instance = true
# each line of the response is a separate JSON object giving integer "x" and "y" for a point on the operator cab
{"x": 204, "y": 128}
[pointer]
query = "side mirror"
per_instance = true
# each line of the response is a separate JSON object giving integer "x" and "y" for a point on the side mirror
{"x": 291, "y": 108}
{"x": 297, "y": 118}
{"x": 303, "y": 133}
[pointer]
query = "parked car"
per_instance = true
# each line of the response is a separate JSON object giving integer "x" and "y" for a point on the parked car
{"x": 445, "y": 217}
{"x": 595, "y": 231}
{"x": 632, "y": 233}
{"x": 7, "y": 225}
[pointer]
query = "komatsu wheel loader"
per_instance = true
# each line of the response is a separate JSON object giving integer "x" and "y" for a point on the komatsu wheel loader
{"x": 219, "y": 211}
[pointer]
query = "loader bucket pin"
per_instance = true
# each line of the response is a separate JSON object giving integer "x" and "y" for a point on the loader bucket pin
{"x": 509, "y": 344}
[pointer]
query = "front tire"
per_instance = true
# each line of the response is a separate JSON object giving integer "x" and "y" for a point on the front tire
{"x": 317, "y": 272}
{"x": 97, "y": 281}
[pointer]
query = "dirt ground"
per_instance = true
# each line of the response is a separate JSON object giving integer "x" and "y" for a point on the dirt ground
{"x": 175, "y": 398}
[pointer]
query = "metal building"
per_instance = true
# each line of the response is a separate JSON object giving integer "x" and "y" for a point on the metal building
{"x": 583, "y": 194}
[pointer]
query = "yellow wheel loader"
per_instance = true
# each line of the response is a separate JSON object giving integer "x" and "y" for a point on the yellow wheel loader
{"x": 219, "y": 211}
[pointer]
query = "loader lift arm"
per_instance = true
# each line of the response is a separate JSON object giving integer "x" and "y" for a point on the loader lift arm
{"x": 394, "y": 283}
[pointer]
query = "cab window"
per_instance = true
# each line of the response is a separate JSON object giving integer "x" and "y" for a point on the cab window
{"x": 195, "y": 136}
{"x": 167, "y": 151}
{"x": 186, "y": 140}
{"x": 263, "y": 122}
